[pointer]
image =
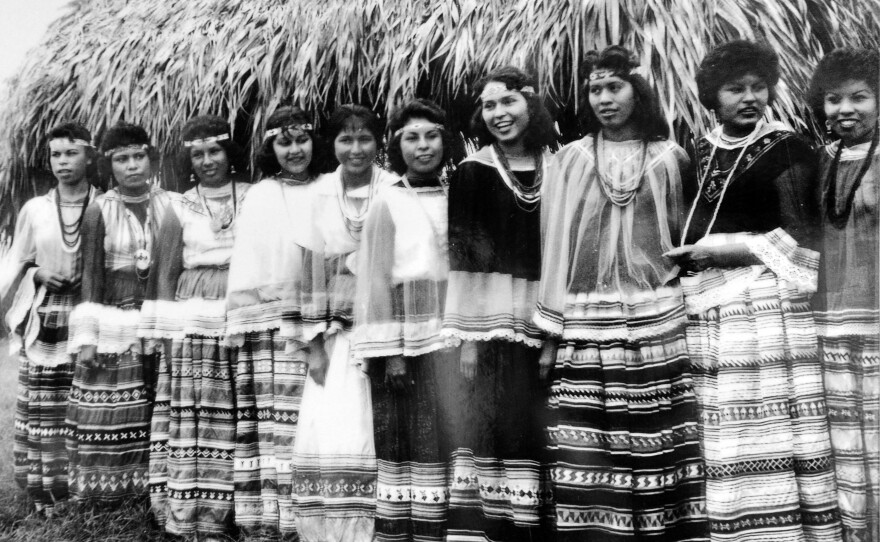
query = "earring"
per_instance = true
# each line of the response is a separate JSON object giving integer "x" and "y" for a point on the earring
{"x": 232, "y": 170}
{"x": 828, "y": 127}
{"x": 192, "y": 178}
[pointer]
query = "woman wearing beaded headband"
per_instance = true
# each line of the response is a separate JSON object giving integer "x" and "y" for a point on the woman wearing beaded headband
{"x": 495, "y": 257}
{"x": 45, "y": 281}
{"x": 192, "y": 436}
{"x": 747, "y": 251}
{"x": 271, "y": 273}
{"x": 622, "y": 397}
{"x": 112, "y": 391}
{"x": 334, "y": 455}
{"x": 844, "y": 92}
{"x": 402, "y": 273}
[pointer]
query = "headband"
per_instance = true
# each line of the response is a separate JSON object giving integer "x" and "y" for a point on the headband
{"x": 121, "y": 148}
{"x": 212, "y": 139}
{"x": 494, "y": 88}
{"x": 289, "y": 128}
{"x": 74, "y": 140}
{"x": 603, "y": 73}
{"x": 412, "y": 127}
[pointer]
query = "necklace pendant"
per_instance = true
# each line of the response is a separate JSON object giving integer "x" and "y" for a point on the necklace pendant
{"x": 142, "y": 259}
{"x": 216, "y": 224}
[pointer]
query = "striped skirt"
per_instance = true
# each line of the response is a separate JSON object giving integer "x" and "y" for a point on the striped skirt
{"x": 624, "y": 432}
{"x": 763, "y": 417}
{"x": 38, "y": 445}
{"x": 192, "y": 438}
{"x": 268, "y": 388}
{"x": 411, "y": 487}
{"x": 852, "y": 390}
{"x": 108, "y": 418}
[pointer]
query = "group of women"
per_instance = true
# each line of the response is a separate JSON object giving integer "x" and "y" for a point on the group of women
{"x": 618, "y": 340}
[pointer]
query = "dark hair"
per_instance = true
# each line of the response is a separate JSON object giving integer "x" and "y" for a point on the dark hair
{"x": 341, "y": 119}
{"x": 419, "y": 108}
{"x": 838, "y": 66}
{"x": 646, "y": 115}
{"x": 75, "y": 130}
{"x": 539, "y": 133}
{"x": 123, "y": 134}
{"x": 208, "y": 126}
{"x": 734, "y": 59}
{"x": 286, "y": 116}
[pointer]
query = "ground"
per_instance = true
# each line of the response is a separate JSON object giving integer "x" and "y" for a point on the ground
{"x": 129, "y": 522}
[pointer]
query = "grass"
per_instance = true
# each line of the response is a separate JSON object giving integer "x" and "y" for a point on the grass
{"x": 129, "y": 522}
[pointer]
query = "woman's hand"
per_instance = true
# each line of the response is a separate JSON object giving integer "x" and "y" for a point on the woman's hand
{"x": 397, "y": 374}
{"x": 88, "y": 356}
{"x": 468, "y": 360}
{"x": 547, "y": 359}
{"x": 53, "y": 282}
{"x": 318, "y": 360}
{"x": 699, "y": 258}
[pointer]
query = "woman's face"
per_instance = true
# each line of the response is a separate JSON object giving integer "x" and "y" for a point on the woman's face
{"x": 505, "y": 112}
{"x": 355, "y": 148}
{"x": 421, "y": 144}
{"x": 69, "y": 161}
{"x": 741, "y": 102}
{"x": 851, "y": 109}
{"x": 132, "y": 168}
{"x": 293, "y": 150}
{"x": 613, "y": 101}
{"x": 210, "y": 163}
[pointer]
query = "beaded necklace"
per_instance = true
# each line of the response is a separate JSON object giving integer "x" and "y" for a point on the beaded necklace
{"x": 351, "y": 215}
{"x": 223, "y": 221}
{"x": 527, "y": 198}
{"x": 623, "y": 195}
{"x": 140, "y": 240}
{"x": 73, "y": 230}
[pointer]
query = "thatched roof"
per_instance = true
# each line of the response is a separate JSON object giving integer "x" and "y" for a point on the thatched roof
{"x": 158, "y": 62}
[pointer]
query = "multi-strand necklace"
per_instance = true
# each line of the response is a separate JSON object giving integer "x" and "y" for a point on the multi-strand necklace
{"x": 527, "y": 198}
{"x": 624, "y": 191}
{"x": 71, "y": 233}
{"x": 837, "y": 218}
{"x": 351, "y": 214}
{"x": 223, "y": 220}
{"x": 747, "y": 141}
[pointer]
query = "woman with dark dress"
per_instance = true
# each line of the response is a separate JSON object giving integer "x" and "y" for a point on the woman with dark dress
{"x": 747, "y": 252}
{"x": 494, "y": 397}
{"x": 844, "y": 92}
{"x": 401, "y": 292}
{"x": 112, "y": 393}
{"x": 624, "y": 432}
{"x": 45, "y": 281}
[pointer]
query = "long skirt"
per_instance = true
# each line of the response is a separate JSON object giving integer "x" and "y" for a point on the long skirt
{"x": 334, "y": 454}
{"x": 763, "y": 418}
{"x": 852, "y": 391}
{"x": 192, "y": 438}
{"x": 108, "y": 418}
{"x": 38, "y": 446}
{"x": 411, "y": 489}
{"x": 499, "y": 479}
{"x": 269, "y": 387}
{"x": 624, "y": 432}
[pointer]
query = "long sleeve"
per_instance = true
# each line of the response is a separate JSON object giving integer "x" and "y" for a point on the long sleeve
{"x": 160, "y": 315}
{"x": 86, "y": 316}
{"x": 378, "y": 321}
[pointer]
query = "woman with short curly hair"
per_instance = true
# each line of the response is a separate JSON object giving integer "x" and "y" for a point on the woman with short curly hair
{"x": 112, "y": 392}
{"x": 844, "y": 93}
{"x": 749, "y": 269}
{"x": 193, "y": 426}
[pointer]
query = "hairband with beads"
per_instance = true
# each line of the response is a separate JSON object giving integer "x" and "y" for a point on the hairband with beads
{"x": 122, "y": 148}
{"x": 289, "y": 128}
{"x": 494, "y": 88}
{"x": 212, "y": 139}
{"x": 416, "y": 126}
